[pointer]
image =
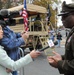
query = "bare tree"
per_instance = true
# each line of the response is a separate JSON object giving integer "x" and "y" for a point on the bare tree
{"x": 1, "y": 4}
{"x": 8, "y": 4}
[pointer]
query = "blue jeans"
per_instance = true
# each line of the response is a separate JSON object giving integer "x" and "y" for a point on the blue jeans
{"x": 14, "y": 73}
{"x": 59, "y": 43}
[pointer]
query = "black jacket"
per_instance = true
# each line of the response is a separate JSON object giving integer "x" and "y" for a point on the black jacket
{"x": 59, "y": 36}
{"x": 66, "y": 66}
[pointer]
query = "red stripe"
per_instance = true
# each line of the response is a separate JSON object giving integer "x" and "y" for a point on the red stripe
{"x": 25, "y": 17}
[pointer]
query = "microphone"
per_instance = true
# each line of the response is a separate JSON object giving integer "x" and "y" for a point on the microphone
{"x": 55, "y": 43}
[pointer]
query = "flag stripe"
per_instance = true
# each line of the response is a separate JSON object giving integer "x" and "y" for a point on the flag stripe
{"x": 25, "y": 16}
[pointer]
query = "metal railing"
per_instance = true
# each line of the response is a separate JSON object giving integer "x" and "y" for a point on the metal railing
{"x": 21, "y": 71}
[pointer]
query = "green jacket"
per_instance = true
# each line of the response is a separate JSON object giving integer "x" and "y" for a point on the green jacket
{"x": 66, "y": 66}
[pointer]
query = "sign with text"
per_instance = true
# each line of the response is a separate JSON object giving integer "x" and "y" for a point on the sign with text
{"x": 50, "y": 43}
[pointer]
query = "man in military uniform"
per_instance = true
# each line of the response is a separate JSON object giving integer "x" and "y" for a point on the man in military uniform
{"x": 65, "y": 63}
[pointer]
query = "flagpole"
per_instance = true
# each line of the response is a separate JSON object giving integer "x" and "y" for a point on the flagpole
{"x": 25, "y": 4}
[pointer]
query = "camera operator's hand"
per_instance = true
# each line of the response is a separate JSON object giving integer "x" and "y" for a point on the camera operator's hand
{"x": 34, "y": 53}
{"x": 23, "y": 32}
{"x": 25, "y": 36}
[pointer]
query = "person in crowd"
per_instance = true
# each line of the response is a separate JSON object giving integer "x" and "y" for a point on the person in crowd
{"x": 65, "y": 63}
{"x": 59, "y": 38}
{"x": 7, "y": 62}
{"x": 67, "y": 32}
{"x": 37, "y": 23}
{"x": 38, "y": 17}
{"x": 52, "y": 37}
{"x": 11, "y": 41}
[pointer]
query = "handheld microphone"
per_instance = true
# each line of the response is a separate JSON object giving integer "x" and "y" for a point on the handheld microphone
{"x": 55, "y": 43}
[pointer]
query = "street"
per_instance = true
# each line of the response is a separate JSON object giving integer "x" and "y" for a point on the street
{"x": 40, "y": 65}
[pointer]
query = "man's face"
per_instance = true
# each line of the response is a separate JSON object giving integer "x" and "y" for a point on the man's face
{"x": 68, "y": 21}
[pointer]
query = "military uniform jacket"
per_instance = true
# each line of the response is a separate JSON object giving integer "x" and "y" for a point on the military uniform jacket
{"x": 66, "y": 66}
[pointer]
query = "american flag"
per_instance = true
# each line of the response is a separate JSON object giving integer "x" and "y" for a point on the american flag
{"x": 25, "y": 16}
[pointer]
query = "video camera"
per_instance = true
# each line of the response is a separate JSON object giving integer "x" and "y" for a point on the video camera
{"x": 7, "y": 17}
